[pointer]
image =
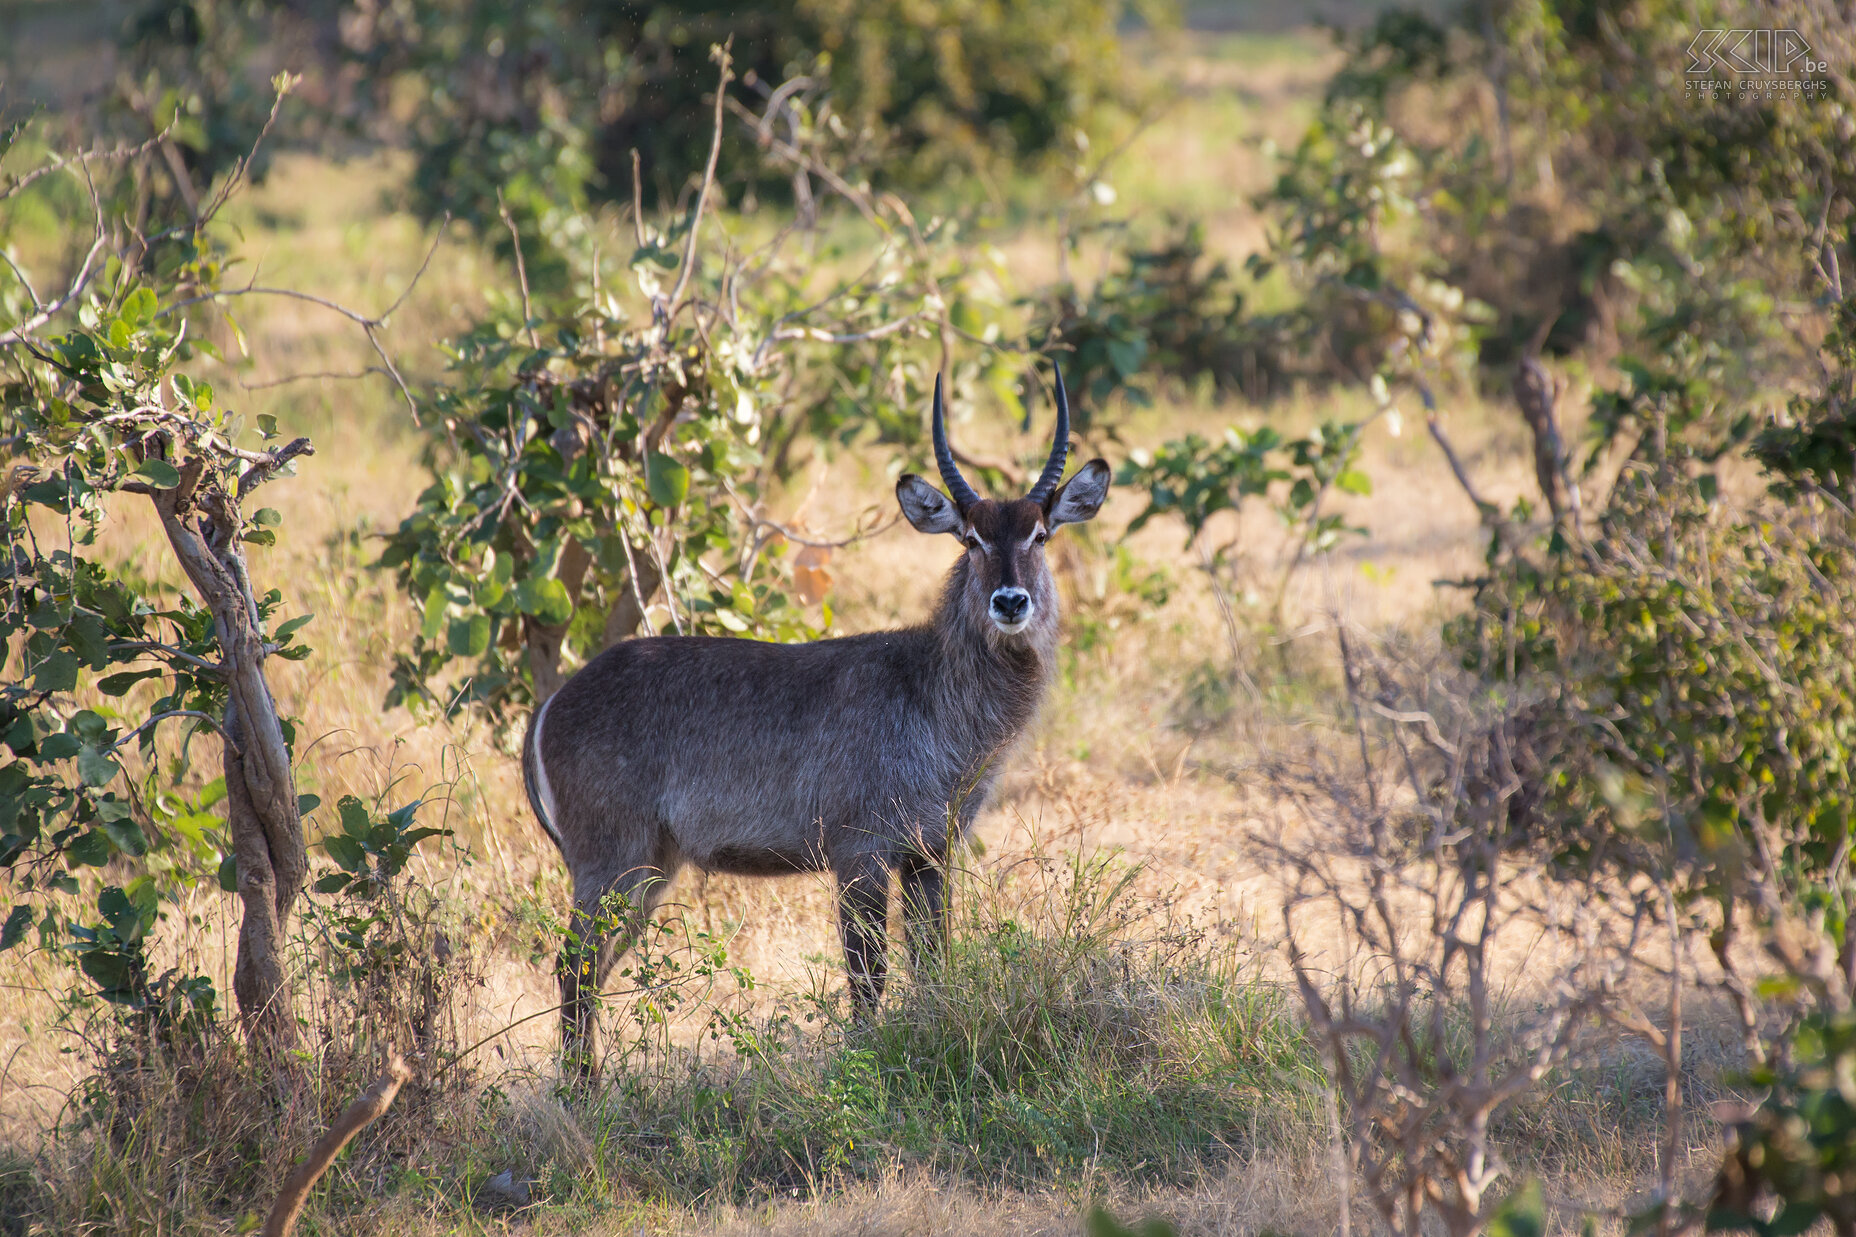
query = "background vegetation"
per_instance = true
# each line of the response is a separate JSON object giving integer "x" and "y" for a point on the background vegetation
{"x": 1428, "y": 831}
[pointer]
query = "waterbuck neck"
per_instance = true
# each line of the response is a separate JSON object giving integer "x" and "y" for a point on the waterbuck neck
{"x": 989, "y": 684}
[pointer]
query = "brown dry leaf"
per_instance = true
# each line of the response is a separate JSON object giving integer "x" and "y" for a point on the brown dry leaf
{"x": 810, "y": 578}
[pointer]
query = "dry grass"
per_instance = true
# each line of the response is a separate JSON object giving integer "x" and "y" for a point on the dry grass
{"x": 1127, "y": 758}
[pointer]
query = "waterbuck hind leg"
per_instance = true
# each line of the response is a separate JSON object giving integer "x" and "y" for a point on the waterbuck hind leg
{"x": 863, "y": 922}
{"x": 609, "y": 914}
{"x": 924, "y": 906}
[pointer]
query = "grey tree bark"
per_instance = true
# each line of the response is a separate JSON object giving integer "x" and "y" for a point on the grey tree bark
{"x": 203, "y": 525}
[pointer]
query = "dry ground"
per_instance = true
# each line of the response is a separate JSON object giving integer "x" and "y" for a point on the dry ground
{"x": 1117, "y": 762}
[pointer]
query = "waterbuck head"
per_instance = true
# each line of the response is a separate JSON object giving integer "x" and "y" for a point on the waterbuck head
{"x": 1005, "y": 576}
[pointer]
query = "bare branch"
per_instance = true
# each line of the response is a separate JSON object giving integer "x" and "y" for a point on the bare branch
{"x": 82, "y": 157}
{"x": 312, "y": 376}
{"x": 1486, "y": 511}
{"x": 207, "y": 718}
{"x": 515, "y": 238}
{"x": 26, "y": 330}
{"x": 748, "y": 513}
{"x": 725, "y": 59}
{"x": 267, "y": 464}
{"x": 167, "y": 650}
{"x": 366, "y": 1109}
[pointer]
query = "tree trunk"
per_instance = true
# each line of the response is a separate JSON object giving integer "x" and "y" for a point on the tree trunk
{"x": 1538, "y": 396}
{"x": 544, "y": 641}
{"x": 267, "y": 832}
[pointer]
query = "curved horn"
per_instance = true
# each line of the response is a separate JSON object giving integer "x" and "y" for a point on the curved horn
{"x": 957, "y": 487}
{"x": 1059, "y": 447}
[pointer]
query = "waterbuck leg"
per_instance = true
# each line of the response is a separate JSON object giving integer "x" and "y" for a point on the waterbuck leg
{"x": 863, "y": 921}
{"x": 924, "y": 906}
{"x": 608, "y": 917}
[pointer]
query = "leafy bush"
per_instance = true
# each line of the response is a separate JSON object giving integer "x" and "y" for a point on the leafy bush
{"x": 97, "y": 402}
{"x": 1169, "y": 311}
{"x": 540, "y": 105}
{"x": 1791, "y": 1158}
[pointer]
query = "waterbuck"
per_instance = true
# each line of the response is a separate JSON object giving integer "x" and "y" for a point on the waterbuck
{"x": 860, "y": 755}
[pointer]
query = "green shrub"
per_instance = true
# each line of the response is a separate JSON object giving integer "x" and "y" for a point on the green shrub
{"x": 1168, "y": 310}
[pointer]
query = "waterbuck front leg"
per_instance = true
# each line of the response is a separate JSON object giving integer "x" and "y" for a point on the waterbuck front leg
{"x": 610, "y": 911}
{"x": 924, "y": 906}
{"x": 863, "y": 922}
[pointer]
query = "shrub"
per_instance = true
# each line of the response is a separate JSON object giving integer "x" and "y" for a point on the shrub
{"x": 1168, "y": 310}
{"x": 540, "y": 105}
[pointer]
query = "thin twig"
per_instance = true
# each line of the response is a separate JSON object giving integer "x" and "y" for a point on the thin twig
{"x": 759, "y": 521}
{"x": 121, "y": 152}
{"x": 637, "y": 201}
{"x": 515, "y": 237}
{"x": 312, "y": 376}
{"x": 725, "y": 58}
{"x": 208, "y": 718}
{"x": 24, "y": 331}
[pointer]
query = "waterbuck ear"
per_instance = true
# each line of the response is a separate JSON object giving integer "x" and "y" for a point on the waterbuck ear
{"x": 1081, "y": 496}
{"x": 928, "y": 509}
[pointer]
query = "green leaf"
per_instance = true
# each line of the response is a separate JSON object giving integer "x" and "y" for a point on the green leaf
{"x": 159, "y": 473}
{"x": 290, "y": 627}
{"x": 545, "y": 598}
{"x": 434, "y": 614}
{"x": 1353, "y": 481}
{"x": 139, "y": 306}
{"x": 128, "y": 837}
{"x": 57, "y": 673}
{"x": 345, "y": 851}
{"x": 355, "y": 821}
{"x": 334, "y": 882}
{"x": 16, "y": 924}
{"x": 470, "y": 637}
{"x": 95, "y": 767}
{"x": 113, "y": 973}
{"x": 1522, "y": 1214}
{"x": 228, "y": 873}
{"x": 267, "y": 517}
{"x": 118, "y": 684}
{"x": 93, "y": 849}
{"x": 667, "y": 480}
{"x": 305, "y": 804}
{"x": 59, "y": 747}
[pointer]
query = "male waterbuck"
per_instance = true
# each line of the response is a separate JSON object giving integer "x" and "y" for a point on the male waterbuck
{"x": 859, "y": 755}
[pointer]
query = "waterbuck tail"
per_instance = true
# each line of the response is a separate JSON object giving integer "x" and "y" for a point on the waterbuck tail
{"x": 535, "y": 775}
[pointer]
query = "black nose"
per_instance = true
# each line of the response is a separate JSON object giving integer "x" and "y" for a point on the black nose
{"x": 1010, "y": 604}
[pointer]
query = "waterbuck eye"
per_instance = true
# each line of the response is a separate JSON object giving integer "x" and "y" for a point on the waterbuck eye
{"x": 1041, "y": 537}
{"x": 974, "y": 542}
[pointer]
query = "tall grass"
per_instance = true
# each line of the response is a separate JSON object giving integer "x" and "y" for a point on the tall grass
{"x": 1069, "y": 1032}
{"x": 1072, "y": 1033}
